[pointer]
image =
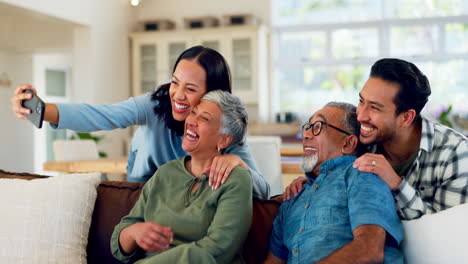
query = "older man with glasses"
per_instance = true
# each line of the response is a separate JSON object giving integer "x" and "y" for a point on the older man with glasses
{"x": 341, "y": 215}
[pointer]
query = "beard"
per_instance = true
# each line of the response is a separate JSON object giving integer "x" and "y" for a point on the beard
{"x": 308, "y": 162}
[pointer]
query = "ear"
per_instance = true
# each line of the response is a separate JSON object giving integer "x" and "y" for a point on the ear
{"x": 406, "y": 118}
{"x": 224, "y": 141}
{"x": 349, "y": 145}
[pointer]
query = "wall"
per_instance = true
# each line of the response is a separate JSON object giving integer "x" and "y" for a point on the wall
{"x": 100, "y": 74}
{"x": 16, "y": 141}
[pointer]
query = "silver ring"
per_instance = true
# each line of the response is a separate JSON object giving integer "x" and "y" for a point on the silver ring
{"x": 373, "y": 163}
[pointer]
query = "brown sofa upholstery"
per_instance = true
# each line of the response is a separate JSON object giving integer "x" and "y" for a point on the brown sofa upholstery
{"x": 115, "y": 199}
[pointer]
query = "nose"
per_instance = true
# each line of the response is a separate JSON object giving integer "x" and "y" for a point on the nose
{"x": 180, "y": 93}
{"x": 307, "y": 134}
{"x": 362, "y": 114}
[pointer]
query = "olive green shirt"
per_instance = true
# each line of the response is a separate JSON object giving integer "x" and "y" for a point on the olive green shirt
{"x": 209, "y": 226}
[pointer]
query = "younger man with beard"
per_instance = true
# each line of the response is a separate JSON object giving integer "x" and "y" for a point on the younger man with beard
{"x": 341, "y": 215}
{"x": 424, "y": 163}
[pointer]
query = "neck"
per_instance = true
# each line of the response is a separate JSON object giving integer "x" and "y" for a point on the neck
{"x": 197, "y": 165}
{"x": 406, "y": 142}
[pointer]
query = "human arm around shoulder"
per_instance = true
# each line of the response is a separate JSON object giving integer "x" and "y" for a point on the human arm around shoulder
{"x": 449, "y": 178}
{"x": 227, "y": 231}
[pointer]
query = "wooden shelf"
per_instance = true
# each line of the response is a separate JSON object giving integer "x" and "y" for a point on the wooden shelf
{"x": 274, "y": 129}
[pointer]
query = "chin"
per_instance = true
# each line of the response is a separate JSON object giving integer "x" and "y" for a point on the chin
{"x": 178, "y": 116}
{"x": 367, "y": 140}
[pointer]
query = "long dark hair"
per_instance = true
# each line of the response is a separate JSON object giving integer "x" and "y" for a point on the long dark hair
{"x": 218, "y": 76}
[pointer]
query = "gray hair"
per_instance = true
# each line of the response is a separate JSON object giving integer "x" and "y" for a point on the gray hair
{"x": 350, "y": 118}
{"x": 235, "y": 118}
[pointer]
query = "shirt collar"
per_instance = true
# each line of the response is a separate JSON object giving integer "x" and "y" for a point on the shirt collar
{"x": 331, "y": 165}
{"x": 427, "y": 135}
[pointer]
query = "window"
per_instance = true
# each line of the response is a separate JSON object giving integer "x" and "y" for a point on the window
{"x": 322, "y": 50}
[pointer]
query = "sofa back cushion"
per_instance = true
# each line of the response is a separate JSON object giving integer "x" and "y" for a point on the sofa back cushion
{"x": 114, "y": 201}
{"x": 256, "y": 244}
{"x": 46, "y": 220}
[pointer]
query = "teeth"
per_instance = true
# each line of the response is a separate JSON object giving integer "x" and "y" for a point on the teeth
{"x": 191, "y": 133}
{"x": 366, "y": 128}
{"x": 179, "y": 106}
{"x": 309, "y": 148}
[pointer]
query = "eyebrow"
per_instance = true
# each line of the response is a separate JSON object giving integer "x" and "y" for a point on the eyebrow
{"x": 320, "y": 116}
{"x": 195, "y": 109}
{"x": 372, "y": 102}
{"x": 205, "y": 112}
{"x": 193, "y": 84}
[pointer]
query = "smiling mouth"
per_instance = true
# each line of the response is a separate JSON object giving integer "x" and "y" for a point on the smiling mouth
{"x": 308, "y": 150}
{"x": 180, "y": 108}
{"x": 191, "y": 135}
{"x": 366, "y": 129}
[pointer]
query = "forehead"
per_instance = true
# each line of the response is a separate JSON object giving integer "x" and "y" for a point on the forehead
{"x": 379, "y": 91}
{"x": 190, "y": 69}
{"x": 211, "y": 108}
{"x": 328, "y": 114}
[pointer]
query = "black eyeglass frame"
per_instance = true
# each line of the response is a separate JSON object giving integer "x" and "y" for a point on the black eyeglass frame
{"x": 308, "y": 126}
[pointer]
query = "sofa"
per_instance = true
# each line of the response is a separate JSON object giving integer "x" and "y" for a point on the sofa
{"x": 115, "y": 199}
{"x": 436, "y": 238}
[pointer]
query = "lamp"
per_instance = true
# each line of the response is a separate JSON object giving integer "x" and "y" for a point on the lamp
{"x": 135, "y": 2}
{"x": 4, "y": 80}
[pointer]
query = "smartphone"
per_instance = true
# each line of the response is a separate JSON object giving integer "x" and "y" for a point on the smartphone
{"x": 37, "y": 107}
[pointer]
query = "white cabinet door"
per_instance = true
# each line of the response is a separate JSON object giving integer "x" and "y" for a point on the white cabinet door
{"x": 154, "y": 56}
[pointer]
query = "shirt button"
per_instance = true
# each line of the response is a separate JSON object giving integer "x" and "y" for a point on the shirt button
{"x": 300, "y": 229}
{"x": 316, "y": 186}
{"x": 295, "y": 251}
{"x": 306, "y": 206}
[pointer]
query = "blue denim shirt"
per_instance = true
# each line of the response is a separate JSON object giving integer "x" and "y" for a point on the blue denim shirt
{"x": 321, "y": 218}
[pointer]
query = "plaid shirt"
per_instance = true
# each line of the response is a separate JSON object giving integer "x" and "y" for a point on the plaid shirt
{"x": 438, "y": 178}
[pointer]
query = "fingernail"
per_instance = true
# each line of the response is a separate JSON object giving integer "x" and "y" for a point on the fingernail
{"x": 354, "y": 165}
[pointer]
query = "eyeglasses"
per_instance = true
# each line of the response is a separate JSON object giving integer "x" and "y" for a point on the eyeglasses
{"x": 317, "y": 127}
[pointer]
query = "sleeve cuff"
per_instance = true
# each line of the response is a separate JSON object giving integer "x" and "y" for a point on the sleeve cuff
{"x": 404, "y": 194}
{"x": 115, "y": 246}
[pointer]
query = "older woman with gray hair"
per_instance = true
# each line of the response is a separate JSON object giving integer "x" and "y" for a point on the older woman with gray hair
{"x": 179, "y": 218}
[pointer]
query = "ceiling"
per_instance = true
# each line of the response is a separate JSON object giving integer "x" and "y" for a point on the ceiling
{"x": 24, "y": 30}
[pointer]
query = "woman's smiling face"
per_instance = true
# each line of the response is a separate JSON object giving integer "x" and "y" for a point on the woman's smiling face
{"x": 203, "y": 129}
{"x": 187, "y": 87}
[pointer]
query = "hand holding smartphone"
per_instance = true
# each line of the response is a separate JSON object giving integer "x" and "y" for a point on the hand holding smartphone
{"x": 37, "y": 107}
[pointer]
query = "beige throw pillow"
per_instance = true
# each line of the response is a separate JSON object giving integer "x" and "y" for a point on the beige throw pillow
{"x": 46, "y": 220}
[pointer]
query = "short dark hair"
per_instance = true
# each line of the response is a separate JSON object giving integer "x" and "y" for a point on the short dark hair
{"x": 218, "y": 76}
{"x": 414, "y": 87}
